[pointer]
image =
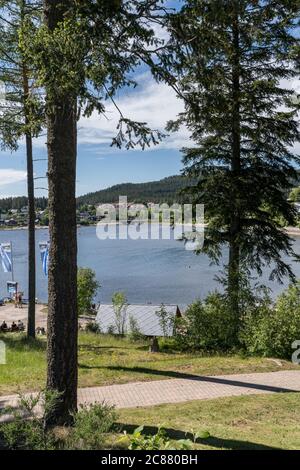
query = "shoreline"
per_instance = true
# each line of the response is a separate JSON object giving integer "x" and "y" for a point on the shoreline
{"x": 293, "y": 231}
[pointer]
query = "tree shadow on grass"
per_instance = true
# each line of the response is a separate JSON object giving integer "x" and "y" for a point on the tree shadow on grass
{"x": 212, "y": 441}
{"x": 16, "y": 342}
{"x": 201, "y": 378}
{"x": 90, "y": 348}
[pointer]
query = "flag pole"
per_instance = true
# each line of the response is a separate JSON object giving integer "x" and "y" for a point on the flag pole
{"x": 12, "y": 262}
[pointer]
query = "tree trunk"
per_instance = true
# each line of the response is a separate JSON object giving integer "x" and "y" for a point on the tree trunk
{"x": 62, "y": 286}
{"x": 234, "y": 249}
{"x": 31, "y": 203}
{"x": 31, "y": 240}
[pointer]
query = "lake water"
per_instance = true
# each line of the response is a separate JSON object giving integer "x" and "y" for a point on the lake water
{"x": 153, "y": 271}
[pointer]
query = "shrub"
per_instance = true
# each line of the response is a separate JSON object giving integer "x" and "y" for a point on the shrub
{"x": 135, "y": 333}
{"x": 92, "y": 327}
{"x": 271, "y": 331}
{"x": 26, "y": 431}
{"x": 158, "y": 441}
{"x": 90, "y": 426}
{"x": 207, "y": 325}
{"x": 87, "y": 289}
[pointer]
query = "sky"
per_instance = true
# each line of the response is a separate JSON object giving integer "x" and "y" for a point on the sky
{"x": 100, "y": 165}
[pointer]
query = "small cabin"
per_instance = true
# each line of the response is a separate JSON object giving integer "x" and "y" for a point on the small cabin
{"x": 145, "y": 317}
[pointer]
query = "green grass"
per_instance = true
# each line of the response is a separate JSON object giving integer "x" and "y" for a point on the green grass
{"x": 106, "y": 360}
{"x": 246, "y": 422}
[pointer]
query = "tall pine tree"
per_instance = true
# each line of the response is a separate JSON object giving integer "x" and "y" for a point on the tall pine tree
{"x": 84, "y": 53}
{"x": 230, "y": 62}
{"x": 21, "y": 111}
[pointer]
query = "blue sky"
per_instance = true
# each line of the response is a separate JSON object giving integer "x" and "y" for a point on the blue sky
{"x": 100, "y": 165}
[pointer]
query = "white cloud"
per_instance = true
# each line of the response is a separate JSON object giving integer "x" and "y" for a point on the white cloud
{"x": 153, "y": 103}
{"x": 11, "y": 176}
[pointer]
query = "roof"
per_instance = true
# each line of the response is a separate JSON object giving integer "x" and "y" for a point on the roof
{"x": 145, "y": 316}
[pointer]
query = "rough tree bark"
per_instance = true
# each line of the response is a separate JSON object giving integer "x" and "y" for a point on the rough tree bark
{"x": 31, "y": 201}
{"x": 62, "y": 286}
{"x": 234, "y": 249}
{"x": 31, "y": 219}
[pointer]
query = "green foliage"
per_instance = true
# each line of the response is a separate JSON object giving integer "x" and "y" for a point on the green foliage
{"x": 135, "y": 333}
{"x": 26, "y": 431}
{"x": 166, "y": 321}
{"x": 76, "y": 60}
{"x": 90, "y": 426}
{"x": 140, "y": 441}
{"x": 22, "y": 111}
{"x": 271, "y": 330}
{"x": 207, "y": 325}
{"x": 120, "y": 304}
{"x": 294, "y": 195}
{"x": 166, "y": 190}
{"x": 160, "y": 440}
{"x": 92, "y": 327}
{"x": 88, "y": 286}
{"x": 231, "y": 61}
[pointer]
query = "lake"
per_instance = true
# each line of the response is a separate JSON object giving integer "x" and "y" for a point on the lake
{"x": 152, "y": 271}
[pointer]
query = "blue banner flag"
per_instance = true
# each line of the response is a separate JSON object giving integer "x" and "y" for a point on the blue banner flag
{"x": 44, "y": 249}
{"x": 6, "y": 257}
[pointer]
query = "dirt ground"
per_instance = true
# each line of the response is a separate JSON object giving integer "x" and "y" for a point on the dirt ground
{"x": 10, "y": 313}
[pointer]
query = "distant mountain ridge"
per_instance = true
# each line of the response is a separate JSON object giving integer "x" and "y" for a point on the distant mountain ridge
{"x": 165, "y": 190}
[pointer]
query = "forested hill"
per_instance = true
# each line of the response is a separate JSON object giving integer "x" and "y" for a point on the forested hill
{"x": 165, "y": 190}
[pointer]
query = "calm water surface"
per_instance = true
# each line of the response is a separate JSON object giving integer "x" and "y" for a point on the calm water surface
{"x": 146, "y": 270}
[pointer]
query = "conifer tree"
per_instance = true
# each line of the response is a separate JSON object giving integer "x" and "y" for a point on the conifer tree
{"x": 84, "y": 53}
{"x": 21, "y": 111}
{"x": 230, "y": 62}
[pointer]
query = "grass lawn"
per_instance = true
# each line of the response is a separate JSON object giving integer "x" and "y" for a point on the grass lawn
{"x": 106, "y": 360}
{"x": 246, "y": 422}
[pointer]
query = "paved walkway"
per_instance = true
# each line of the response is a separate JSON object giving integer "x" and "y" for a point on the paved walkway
{"x": 184, "y": 389}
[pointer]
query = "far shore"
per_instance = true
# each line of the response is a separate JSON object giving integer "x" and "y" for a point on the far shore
{"x": 293, "y": 231}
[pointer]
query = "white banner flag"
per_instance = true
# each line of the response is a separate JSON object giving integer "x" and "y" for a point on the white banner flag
{"x": 6, "y": 257}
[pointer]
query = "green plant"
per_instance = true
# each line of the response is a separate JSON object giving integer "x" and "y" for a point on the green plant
{"x": 294, "y": 195}
{"x": 90, "y": 426}
{"x": 271, "y": 330}
{"x": 135, "y": 333}
{"x": 158, "y": 441}
{"x": 120, "y": 305}
{"x": 92, "y": 327}
{"x": 87, "y": 289}
{"x": 166, "y": 321}
{"x": 26, "y": 428}
{"x": 207, "y": 325}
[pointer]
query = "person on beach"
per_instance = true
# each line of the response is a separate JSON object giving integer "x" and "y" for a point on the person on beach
{"x": 3, "y": 327}
{"x": 14, "y": 327}
{"x": 21, "y": 326}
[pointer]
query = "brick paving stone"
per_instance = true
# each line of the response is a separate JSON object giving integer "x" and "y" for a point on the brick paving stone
{"x": 140, "y": 394}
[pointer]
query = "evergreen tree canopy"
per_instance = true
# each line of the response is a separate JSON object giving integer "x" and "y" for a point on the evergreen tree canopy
{"x": 232, "y": 60}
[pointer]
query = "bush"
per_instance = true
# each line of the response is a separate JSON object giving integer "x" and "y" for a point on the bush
{"x": 87, "y": 289}
{"x": 207, "y": 325}
{"x": 135, "y": 333}
{"x": 26, "y": 431}
{"x": 158, "y": 441}
{"x": 271, "y": 331}
{"x": 90, "y": 426}
{"x": 92, "y": 327}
